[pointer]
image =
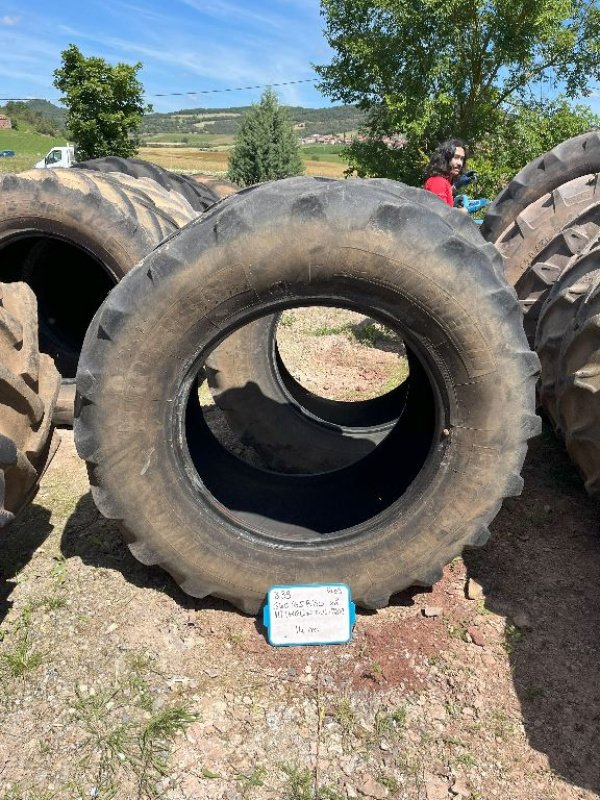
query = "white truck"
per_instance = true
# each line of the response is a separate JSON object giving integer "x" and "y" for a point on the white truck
{"x": 58, "y": 157}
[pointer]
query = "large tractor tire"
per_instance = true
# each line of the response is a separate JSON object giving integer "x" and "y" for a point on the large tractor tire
{"x": 392, "y": 519}
{"x": 578, "y": 389}
{"x": 569, "y": 160}
{"x": 29, "y": 384}
{"x": 545, "y": 237}
{"x": 557, "y": 316}
{"x": 200, "y": 196}
{"x": 71, "y": 235}
{"x": 295, "y": 430}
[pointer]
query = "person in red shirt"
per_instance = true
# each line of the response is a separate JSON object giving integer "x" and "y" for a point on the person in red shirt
{"x": 445, "y": 165}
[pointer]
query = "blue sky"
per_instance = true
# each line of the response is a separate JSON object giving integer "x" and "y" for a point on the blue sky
{"x": 184, "y": 45}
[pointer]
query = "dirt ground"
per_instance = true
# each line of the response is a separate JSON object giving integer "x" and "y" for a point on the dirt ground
{"x": 114, "y": 684}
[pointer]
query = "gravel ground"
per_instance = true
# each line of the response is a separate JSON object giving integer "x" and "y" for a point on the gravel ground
{"x": 115, "y": 684}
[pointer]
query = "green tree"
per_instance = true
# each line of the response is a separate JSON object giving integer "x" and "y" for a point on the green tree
{"x": 266, "y": 146}
{"x": 105, "y": 104}
{"x": 527, "y": 132}
{"x": 432, "y": 70}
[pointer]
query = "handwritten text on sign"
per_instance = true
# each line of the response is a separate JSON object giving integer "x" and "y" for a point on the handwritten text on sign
{"x": 309, "y": 614}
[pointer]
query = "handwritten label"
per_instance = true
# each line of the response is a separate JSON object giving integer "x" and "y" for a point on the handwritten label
{"x": 320, "y": 614}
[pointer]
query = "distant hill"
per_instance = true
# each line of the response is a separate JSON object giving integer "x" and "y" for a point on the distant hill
{"x": 39, "y": 116}
{"x": 226, "y": 121}
{"x": 203, "y": 121}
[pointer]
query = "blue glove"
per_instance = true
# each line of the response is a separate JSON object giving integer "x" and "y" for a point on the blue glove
{"x": 465, "y": 179}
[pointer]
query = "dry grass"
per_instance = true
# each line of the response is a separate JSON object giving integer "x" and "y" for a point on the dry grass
{"x": 190, "y": 159}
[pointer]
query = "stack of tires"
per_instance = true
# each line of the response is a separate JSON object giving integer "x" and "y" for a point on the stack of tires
{"x": 546, "y": 223}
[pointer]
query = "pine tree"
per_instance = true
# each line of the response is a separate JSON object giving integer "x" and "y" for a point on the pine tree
{"x": 266, "y": 146}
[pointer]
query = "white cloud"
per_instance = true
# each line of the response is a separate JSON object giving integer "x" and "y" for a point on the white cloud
{"x": 9, "y": 21}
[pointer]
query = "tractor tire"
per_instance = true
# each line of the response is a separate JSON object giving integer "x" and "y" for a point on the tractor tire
{"x": 565, "y": 162}
{"x": 555, "y": 241}
{"x": 71, "y": 235}
{"x": 220, "y": 186}
{"x": 578, "y": 389}
{"x": 557, "y": 316}
{"x": 295, "y": 430}
{"x": 199, "y": 196}
{"x": 392, "y": 519}
{"x": 29, "y": 384}
{"x": 169, "y": 202}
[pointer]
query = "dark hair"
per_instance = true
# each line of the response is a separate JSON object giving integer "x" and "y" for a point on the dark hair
{"x": 439, "y": 163}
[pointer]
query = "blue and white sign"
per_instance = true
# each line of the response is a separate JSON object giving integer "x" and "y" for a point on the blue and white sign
{"x": 310, "y": 614}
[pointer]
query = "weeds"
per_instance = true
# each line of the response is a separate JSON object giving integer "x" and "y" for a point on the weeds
{"x": 301, "y": 786}
{"x": 300, "y": 783}
{"x": 59, "y": 571}
{"x": 53, "y": 602}
{"x": 390, "y": 783}
{"x": 466, "y": 760}
{"x": 501, "y": 725}
{"x": 126, "y": 738}
{"x": 23, "y": 658}
{"x": 512, "y": 636}
{"x": 249, "y": 782}
{"x": 344, "y": 715}
{"x": 208, "y": 773}
{"x": 393, "y": 723}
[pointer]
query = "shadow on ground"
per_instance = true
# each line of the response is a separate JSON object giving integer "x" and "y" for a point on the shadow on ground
{"x": 19, "y": 541}
{"x": 99, "y": 542}
{"x": 541, "y": 568}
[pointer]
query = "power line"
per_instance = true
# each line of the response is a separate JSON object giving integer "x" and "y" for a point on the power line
{"x": 176, "y": 94}
{"x": 236, "y": 89}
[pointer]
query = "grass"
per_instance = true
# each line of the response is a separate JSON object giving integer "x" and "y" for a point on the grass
{"x": 125, "y": 739}
{"x": 300, "y": 785}
{"x": 252, "y": 781}
{"x": 390, "y": 724}
{"x": 512, "y": 636}
{"x": 167, "y": 150}
{"x": 22, "y": 658}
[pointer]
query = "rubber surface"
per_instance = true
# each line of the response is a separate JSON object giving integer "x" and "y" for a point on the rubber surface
{"x": 294, "y": 430}
{"x": 553, "y": 243}
{"x": 200, "y": 196}
{"x": 395, "y": 518}
{"x": 578, "y": 389}
{"x": 568, "y": 160}
{"x": 220, "y": 186}
{"x": 29, "y": 385}
{"x": 556, "y": 318}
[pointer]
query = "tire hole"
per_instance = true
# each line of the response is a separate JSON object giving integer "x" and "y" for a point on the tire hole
{"x": 70, "y": 285}
{"x": 302, "y": 508}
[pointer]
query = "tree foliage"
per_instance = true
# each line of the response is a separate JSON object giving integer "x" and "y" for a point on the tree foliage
{"x": 433, "y": 70}
{"x": 527, "y": 132}
{"x": 22, "y": 112}
{"x": 266, "y": 146}
{"x": 105, "y": 104}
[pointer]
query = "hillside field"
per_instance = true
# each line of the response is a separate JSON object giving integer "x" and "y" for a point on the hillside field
{"x": 28, "y": 146}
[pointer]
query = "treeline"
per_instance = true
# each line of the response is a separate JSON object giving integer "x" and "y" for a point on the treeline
{"x": 42, "y": 116}
{"x": 47, "y": 118}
